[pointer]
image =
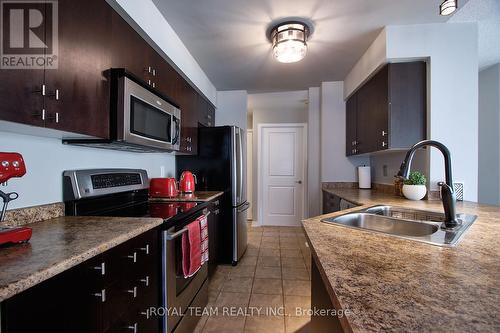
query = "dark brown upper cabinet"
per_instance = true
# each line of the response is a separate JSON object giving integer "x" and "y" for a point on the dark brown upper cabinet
{"x": 77, "y": 96}
{"x": 389, "y": 110}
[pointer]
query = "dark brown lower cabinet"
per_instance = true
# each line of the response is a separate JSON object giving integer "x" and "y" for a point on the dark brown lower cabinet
{"x": 320, "y": 300}
{"x": 213, "y": 239}
{"x": 111, "y": 292}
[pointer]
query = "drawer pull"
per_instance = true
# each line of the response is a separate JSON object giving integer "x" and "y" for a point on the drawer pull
{"x": 133, "y": 257}
{"x": 102, "y": 295}
{"x": 146, "y": 281}
{"x": 101, "y": 268}
{"x": 216, "y": 202}
{"x": 145, "y": 249}
{"x": 216, "y": 212}
{"x": 133, "y": 327}
{"x": 133, "y": 291}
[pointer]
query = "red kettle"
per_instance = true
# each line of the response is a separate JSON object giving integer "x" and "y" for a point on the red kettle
{"x": 187, "y": 182}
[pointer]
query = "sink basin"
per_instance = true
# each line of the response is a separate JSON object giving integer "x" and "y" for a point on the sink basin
{"x": 418, "y": 225}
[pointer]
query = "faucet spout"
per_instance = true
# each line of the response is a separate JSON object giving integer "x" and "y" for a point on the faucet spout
{"x": 447, "y": 190}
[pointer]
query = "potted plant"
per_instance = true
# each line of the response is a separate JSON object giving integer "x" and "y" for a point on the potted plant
{"x": 414, "y": 187}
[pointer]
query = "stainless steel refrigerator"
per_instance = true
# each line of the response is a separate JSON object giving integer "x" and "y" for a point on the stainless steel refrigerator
{"x": 221, "y": 166}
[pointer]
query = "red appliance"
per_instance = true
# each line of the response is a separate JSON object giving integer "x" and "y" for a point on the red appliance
{"x": 187, "y": 182}
{"x": 163, "y": 187}
{"x": 11, "y": 165}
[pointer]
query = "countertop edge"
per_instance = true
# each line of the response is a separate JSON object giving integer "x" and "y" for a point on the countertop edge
{"x": 38, "y": 277}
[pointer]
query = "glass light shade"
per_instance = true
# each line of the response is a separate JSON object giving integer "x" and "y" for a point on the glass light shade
{"x": 289, "y": 42}
{"x": 290, "y": 51}
{"x": 448, "y": 7}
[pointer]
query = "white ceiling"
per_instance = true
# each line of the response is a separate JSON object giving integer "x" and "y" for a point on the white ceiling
{"x": 228, "y": 37}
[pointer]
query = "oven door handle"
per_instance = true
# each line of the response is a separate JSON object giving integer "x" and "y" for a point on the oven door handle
{"x": 174, "y": 235}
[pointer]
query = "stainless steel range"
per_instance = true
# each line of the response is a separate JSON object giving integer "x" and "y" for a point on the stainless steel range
{"x": 124, "y": 192}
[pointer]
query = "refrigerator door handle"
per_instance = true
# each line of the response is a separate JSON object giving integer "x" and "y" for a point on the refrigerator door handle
{"x": 240, "y": 143}
{"x": 234, "y": 171}
{"x": 243, "y": 207}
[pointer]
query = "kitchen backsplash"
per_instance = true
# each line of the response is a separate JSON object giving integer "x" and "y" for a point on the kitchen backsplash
{"x": 27, "y": 215}
{"x": 47, "y": 158}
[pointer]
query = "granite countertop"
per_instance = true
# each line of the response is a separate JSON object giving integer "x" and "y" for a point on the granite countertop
{"x": 61, "y": 243}
{"x": 204, "y": 196}
{"x": 397, "y": 285}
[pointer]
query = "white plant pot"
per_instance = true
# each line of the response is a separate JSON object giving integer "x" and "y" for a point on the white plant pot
{"x": 414, "y": 192}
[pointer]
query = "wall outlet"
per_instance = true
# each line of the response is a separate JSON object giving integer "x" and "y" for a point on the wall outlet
{"x": 162, "y": 171}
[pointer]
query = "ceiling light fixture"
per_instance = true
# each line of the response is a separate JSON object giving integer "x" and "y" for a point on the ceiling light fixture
{"x": 289, "y": 41}
{"x": 448, "y": 7}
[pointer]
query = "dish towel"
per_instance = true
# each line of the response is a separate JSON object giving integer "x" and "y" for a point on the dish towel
{"x": 191, "y": 249}
{"x": 204, "y": 238}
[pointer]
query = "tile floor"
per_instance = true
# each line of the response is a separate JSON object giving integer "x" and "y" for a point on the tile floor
{"x": 273, "y": 277}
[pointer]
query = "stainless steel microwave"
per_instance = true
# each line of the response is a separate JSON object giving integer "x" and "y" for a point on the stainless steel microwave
{"x": 140, "y": 119}
{"x": 143, "y": 118}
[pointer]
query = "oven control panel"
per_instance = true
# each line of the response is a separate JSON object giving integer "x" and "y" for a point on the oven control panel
{"x": 115, "y": 180}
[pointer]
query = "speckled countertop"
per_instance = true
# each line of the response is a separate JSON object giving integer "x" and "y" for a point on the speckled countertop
{"x": 397, "y": 285}
{"x": 204, "y": 196}
{"x": 61, "y": 243}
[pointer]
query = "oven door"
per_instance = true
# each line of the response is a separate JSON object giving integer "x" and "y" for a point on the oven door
{"x": 146, "y": 119}
{"x": 178, "y": 292}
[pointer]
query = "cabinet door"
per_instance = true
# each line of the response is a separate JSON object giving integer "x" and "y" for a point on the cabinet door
{"x": 128, "y": 49}
{"x": 189, "y": 120}
{"x": 372, "y": 113}
{"x": 168, "y": 81}
{"x": 351, "y": 124}
{"x": 407, "y": 104}
{"x": 77, "y": 91}
{"x": 20, "y": 89}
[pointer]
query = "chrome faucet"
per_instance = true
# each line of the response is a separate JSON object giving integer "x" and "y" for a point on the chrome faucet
{"x": 447, "y": 191}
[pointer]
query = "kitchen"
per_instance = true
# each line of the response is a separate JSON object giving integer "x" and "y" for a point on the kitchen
{"x": 163, "y": 155}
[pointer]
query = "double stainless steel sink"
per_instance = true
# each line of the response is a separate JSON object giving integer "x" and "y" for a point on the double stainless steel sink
{"x": 419, "y": 225}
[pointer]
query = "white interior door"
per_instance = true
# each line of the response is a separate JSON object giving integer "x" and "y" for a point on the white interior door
{"x": 283, "y": 170}
{"x": 249, "y": 170}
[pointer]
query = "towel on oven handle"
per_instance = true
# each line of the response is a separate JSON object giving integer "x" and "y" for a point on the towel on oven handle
{"x": 204, "y": 238}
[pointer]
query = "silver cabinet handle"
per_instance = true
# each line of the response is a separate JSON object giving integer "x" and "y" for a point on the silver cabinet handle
{"x": 133, "y": 291}
{"x": 42, "y": 90}
{"x": 154, "y": 72}
{"x": 145, "y": 249}
{"x": 153, "y": 84}
{"x": 133, "y": 257}
{"x": 384, "y": 133}
{"x": 146, "y": 281}
{"x": 55, "y": 117}
{"x": 189, "y": 148}
{"x": 133, "y": 327}
{"x": 149, "y": 82}
{"x": 216, "y": 202}
{"x": 384, "y": 144}
{"x": 216, "y": 212}
{"x": 102, "y": 295}
{"x": 41, "y": 114}
{"x": 56, "y": 95}
{"x": 354, "y": 151}
{"x": 188, "y": 139}
{"x": 148, "y": 69}
{"x": 101, "y": 268}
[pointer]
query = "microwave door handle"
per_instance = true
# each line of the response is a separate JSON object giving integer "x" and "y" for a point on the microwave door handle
{"x": 177, "y": 130}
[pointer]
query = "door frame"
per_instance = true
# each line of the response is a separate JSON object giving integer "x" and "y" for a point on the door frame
{"x": 260, "y": 129}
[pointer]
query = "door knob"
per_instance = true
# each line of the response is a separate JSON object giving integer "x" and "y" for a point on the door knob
{"x": 299, "y": 181}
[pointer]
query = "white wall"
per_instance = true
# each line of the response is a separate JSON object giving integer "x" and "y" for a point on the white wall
{"x": 313, "y": 152}
{"x": 277, "y": 108}
{"x": 156, "y": 29}
{"x": 335, "y": 166}
{"x": 489, "y": 135}
{"x": 47, "y": 158}
{"x": 232, "y": 108}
